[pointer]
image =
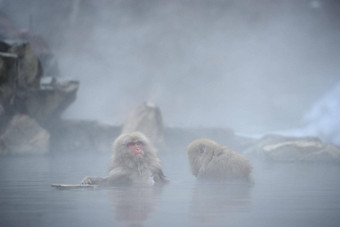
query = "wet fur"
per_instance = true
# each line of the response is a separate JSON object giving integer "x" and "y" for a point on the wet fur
{"x": 126, "y": 167}
{"x": 210, "y": 160}
{"x": 135, "y": 167}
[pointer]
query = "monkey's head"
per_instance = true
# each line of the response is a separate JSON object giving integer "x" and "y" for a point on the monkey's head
{"x": 132, "y": 144}
{"x": 200, "y": 153}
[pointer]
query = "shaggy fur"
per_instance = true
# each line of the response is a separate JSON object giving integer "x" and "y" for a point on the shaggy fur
{"x": 210, "y": 160}
{"x": 127, "y": 167}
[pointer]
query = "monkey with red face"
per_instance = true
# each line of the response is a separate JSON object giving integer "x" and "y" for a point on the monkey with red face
{"x": 134, "y": 160}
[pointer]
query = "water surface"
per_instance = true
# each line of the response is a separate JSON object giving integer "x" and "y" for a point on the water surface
{"x": 283, "y": 194}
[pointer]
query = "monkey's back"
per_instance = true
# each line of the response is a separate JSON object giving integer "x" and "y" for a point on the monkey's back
{"x": 210, "y": 160}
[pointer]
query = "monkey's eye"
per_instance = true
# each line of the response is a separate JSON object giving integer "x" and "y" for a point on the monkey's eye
{"x": 130, "y": 144}
{"x": 138, "y": 143}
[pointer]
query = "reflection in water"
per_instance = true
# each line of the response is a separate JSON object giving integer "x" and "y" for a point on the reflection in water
{"x": 212, "y": 202}
{"x": 134, "y": 204}
{"x": 283, "y": 194}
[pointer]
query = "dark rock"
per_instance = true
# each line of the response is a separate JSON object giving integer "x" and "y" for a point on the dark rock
{"x": 23, "y": 135}
{"x": 29, "y": 70}
{"x": 20, "y": 72}
{"x": 47, "y": 104}
{"x": 23, "y": 93}
{"x": 8, "y": 77}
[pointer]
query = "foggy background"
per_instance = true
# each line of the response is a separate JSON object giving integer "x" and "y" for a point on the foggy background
{"x": 253, "y": 66}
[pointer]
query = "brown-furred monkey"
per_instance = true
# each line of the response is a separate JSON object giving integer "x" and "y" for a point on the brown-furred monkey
{"x": 212, "y": 161}
{"x": 134, "y": 160}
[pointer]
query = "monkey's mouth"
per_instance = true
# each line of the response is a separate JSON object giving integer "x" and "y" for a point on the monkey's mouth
{"x": 137, "y": 152}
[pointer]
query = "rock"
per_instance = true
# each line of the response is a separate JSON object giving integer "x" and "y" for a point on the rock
{"x": 147, "y": 119}
{"x": 42, "y": 50}
{"x": 72, "y": 136}
{"x": 47, "y": 104}
{"x": 307, "y": 149}
{"x": 27, "y": 103}
{"x": 20, "y": 72}
{"x": 3, "y": 120}
{"x": 28, "y": 67}
{"x": 8, "y": 76}
{"x": 24, "y": 135}
{"x": 21, "y": 87}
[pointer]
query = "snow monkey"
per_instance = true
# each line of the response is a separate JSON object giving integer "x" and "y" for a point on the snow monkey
{"x": 210, "y": 160}
{"x": 134, "y": 160}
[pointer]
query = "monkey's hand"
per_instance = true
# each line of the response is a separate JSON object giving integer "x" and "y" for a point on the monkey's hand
{"x": 159, "y": 177}
{"x": 91, "y": 180}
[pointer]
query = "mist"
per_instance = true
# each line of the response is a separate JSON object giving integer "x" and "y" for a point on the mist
{"x": 322, "y": 120}
{"x": 255, "y": 67}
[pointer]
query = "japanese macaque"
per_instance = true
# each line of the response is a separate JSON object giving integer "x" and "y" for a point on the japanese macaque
{"x": 210, "y": 160}
{"x": 134, "y": 160}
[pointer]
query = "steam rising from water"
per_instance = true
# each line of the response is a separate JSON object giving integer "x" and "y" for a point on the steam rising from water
{"x": 252, "y": 67}
{"x": 323, "y": 120}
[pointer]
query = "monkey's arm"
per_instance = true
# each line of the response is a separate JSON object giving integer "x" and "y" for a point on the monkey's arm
{"x": 116, "y": 176}
{"x": 105, "y": 181}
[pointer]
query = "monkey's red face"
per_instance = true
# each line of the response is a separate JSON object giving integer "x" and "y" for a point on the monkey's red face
{"x": 136, "y": 147}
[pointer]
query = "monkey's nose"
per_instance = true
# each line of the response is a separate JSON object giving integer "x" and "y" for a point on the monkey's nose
{"x": 138, "y": 151}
